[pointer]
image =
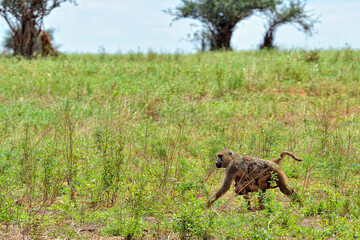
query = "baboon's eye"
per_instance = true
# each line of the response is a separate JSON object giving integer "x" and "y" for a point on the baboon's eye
{"x": 230, "y": 153}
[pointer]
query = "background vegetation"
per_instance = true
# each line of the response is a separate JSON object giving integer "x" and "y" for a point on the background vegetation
{"x": 219, "y": 19}
{"x": 123, "y": 145}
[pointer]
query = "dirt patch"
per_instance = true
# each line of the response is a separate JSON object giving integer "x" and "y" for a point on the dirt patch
{"x": 294, "y": 92}
{"x": 311, "y": 222}
{"x": 12, "y": 232}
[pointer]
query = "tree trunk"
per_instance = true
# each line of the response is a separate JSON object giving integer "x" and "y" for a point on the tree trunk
{"x": 268, "y": 39}
{"x": 25, "y": 38}
{"x": 221, "y": 39}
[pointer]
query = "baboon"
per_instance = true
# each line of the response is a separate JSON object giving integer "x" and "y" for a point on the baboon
{"x": 46, "y": 47}
{"x": 251, "y": 175}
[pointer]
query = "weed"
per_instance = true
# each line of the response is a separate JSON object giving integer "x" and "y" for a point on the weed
{"x": 311, "y": 56}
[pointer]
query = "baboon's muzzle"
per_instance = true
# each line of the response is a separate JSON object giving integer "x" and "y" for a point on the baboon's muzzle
{"x": 218, "y": 163}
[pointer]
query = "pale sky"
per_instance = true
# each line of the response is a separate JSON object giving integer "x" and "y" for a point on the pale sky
{"x": 121, "y": 26}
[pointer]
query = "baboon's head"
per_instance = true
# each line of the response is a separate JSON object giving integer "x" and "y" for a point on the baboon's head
{"x": 224, "y": 158}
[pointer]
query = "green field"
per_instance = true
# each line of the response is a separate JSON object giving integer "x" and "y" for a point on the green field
{"x": 119, "y": 146}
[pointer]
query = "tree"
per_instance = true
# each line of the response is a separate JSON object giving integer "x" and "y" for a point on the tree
{"x": 294, "y": 13}
{"x": 219, "y": 17}
{"x": 8, "y": 42}
{"x": 25, "y": 18}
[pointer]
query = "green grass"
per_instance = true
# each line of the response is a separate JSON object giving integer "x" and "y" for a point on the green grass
{"x": 121, "y": 145}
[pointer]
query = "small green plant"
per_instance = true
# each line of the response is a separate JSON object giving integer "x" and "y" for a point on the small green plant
{"x": 127, "y": 220}
{"x": 192, "y": 221}
{"x": 110, "y": 145}
{"x": 312, "y": 55}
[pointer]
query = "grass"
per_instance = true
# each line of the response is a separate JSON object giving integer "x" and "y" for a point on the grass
{"x": 123, "y": 145}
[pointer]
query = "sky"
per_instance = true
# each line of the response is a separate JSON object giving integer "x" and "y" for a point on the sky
{"x": 122, "y": 26}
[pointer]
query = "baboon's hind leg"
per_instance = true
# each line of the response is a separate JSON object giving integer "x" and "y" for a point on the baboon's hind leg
{"x": 282, "y": 183}
{"x": 284, "y": 187}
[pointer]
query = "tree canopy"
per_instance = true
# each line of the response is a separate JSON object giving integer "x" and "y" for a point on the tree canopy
{"x": 292, "y": 12}
{"x": 220, "y": 17}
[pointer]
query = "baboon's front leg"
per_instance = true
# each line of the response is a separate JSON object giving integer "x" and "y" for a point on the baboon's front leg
{"x": 224, "y": 188}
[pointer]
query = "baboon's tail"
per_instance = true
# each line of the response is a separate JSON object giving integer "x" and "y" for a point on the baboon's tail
{"x": 283, "y": 154}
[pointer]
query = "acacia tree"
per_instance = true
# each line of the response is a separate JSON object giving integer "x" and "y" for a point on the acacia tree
{"x": 8, "y": 42}
{"x": 219, "y": 17}
{"x": 25, "y": 18}
{"x": 292, "y": 12}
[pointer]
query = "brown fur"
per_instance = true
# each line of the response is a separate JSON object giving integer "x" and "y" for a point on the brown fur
{"x": 251, "y": 174}
{"x": 46, "y": 47}
{"x": 243, "y": 187}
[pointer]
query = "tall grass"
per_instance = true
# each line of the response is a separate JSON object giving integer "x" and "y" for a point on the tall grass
{"x": 124, "y": 145}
